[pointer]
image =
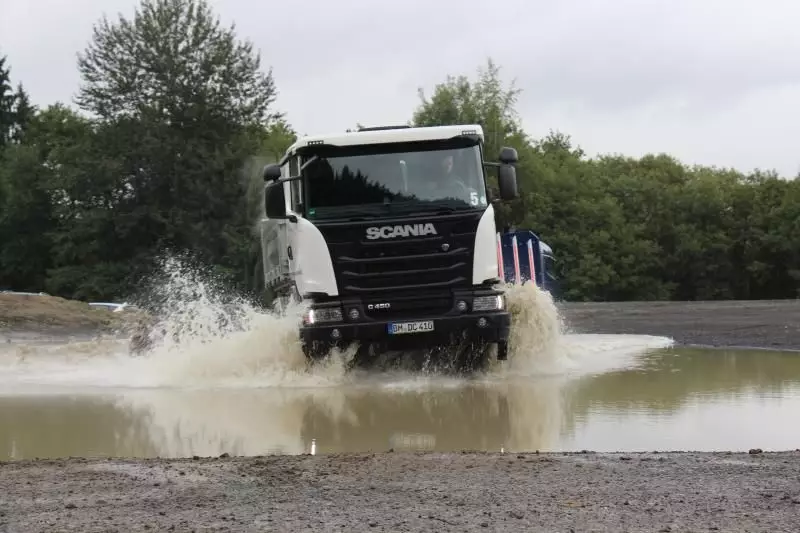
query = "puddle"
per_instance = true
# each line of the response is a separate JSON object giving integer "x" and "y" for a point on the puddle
{"x": 667, "y": 399}
{"x": 208, "y": 388}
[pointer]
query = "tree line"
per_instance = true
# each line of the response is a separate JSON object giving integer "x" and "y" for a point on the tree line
{"x": 175, "y": 117}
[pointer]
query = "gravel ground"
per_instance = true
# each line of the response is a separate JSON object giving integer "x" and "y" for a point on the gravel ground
{"x": 760, "y": 324}
{"x": 444, "y": 492}
{"x": 409, "y": 492}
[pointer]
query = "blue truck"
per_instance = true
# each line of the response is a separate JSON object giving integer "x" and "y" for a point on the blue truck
{"x": 533, "y": 254}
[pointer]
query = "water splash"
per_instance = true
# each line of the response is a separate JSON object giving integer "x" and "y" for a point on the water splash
{"x": 201, "y": 335}
{"x": 536, "y": 340}
{"x": 540, "y": 343}
{"x": 205, "y": 335}
{"x": 196, "y": 334}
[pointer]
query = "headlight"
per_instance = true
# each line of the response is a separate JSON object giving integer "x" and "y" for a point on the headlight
{"x": 324, "y": 314}
{"x": 488, "y": 303}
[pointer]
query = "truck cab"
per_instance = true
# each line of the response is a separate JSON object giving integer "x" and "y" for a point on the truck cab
{"x": 388, "y": 236}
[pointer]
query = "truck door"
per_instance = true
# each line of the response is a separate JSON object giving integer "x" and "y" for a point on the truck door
{"x": 275, "y": 240}
{"x": 293, "y": 193}
{"x": 274, "y": 257}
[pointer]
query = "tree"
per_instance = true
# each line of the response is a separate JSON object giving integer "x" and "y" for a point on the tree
{"x": 174, "y": 61}
{"x": 484, "y": 101}
{"x": 25, "y": 215}
{"x": 16, "y": 110}
{"x": 7, "y": 119}
{"x": 26, "y": 219}
{"x": 634, "y": 228}
{"x": 488, "y": 102}
{"x": 24, "y": 112}
{"x": 183, "y": 106}
{"x": 277, "y": 139}
{"x": 91, "y": 251}
{"x": 183, "y": 126}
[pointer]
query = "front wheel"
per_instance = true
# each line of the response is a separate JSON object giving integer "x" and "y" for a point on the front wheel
{"x": 469, "y": 357}
{"x": 314, "y": 351}
{"x": 502, "y": 350}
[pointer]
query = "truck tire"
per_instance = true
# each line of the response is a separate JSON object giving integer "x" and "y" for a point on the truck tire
{"x": 471, "y": 357}
{"x": 502, "y": 350}
{"x": 315, "y": 351}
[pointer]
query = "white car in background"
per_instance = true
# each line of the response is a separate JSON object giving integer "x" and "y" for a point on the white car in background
{"x": 18, "y": 293}
{"x": 113, "y": 307}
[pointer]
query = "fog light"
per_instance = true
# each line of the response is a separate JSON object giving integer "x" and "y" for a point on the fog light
{"x": 323, "y": 314}
{"x": 354, "y": 314}
{"x": 335, "y": 334}
{"x": 461, "y": 305}
{"x": 488, "y": 303}
{"x": 482, "y": 322}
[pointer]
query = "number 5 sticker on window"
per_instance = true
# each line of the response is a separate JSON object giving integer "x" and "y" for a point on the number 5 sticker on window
{"x": 473, "y": 198}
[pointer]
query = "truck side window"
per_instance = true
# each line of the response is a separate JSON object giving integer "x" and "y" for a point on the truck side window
{"x": 550, "y": 266}
{"x": 296, "y": 186}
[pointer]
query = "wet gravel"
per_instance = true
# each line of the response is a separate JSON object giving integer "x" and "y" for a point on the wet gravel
{"x": 408, "y": 492}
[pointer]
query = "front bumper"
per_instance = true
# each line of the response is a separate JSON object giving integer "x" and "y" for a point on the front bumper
{"x": 424, "y": 330}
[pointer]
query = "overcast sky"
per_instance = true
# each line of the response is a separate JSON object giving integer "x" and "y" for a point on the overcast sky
{"x": 711, "y": 81}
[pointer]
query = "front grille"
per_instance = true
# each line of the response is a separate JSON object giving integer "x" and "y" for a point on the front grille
{"x": 364, "y": 267}
{"x": 415, "y": 306}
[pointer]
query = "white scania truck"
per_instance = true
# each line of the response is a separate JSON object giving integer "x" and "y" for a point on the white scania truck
{"x": 389, "y": 235}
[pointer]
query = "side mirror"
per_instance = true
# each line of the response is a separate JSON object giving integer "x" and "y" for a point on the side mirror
{"x": 508, "y": 156}
{"x": 272, "y": 172}
{"x": 507, "y": 181}
{"x": 274, "y": 202}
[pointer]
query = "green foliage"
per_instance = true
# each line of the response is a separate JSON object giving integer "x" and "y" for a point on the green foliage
{"x": 485, "y": 101}
{"x": 634, "y": 229}
{"x": 182, "y": 106}
{"x": 173, "y": 61}
{"x": 24, "y": 112}
{"x": 25, "y": 219}
{"x": 181, "y": 124}
{"x": 7, "y": 118}
{"x": 25, "y": 205}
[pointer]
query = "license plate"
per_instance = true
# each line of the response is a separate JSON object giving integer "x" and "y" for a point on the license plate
{"x": 414, "y": 441}
{"x": 410, "y": 327}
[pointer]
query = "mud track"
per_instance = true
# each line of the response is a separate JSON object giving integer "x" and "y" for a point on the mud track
{"x": 445, "y": 492}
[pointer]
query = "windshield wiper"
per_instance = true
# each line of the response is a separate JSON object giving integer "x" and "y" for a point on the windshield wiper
{"x": 360, "y": 213}
{"x": 358, "y": 218}
{"x": 353, "y": 213}
{"x": 439, "y": 210}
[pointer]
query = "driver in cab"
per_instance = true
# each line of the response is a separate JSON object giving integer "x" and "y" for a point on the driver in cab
{"x": 450, "y": 183}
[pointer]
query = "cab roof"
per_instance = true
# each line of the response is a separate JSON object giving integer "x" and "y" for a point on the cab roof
{"x": 386, "y": 134}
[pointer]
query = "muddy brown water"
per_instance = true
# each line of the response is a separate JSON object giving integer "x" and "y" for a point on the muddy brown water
{"x": 661, "y": 399}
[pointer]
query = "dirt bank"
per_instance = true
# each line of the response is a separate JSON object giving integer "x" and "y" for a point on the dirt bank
{"x": 408, "y": 492}
{"x": 52, "y": 314}
{"x": 762, "y": 324}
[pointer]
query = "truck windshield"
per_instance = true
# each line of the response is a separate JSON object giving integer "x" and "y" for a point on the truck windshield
{"x": 403, "y": 179}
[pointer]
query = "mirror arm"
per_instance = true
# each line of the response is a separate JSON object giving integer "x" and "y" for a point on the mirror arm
{"x": 282, "y": 181}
